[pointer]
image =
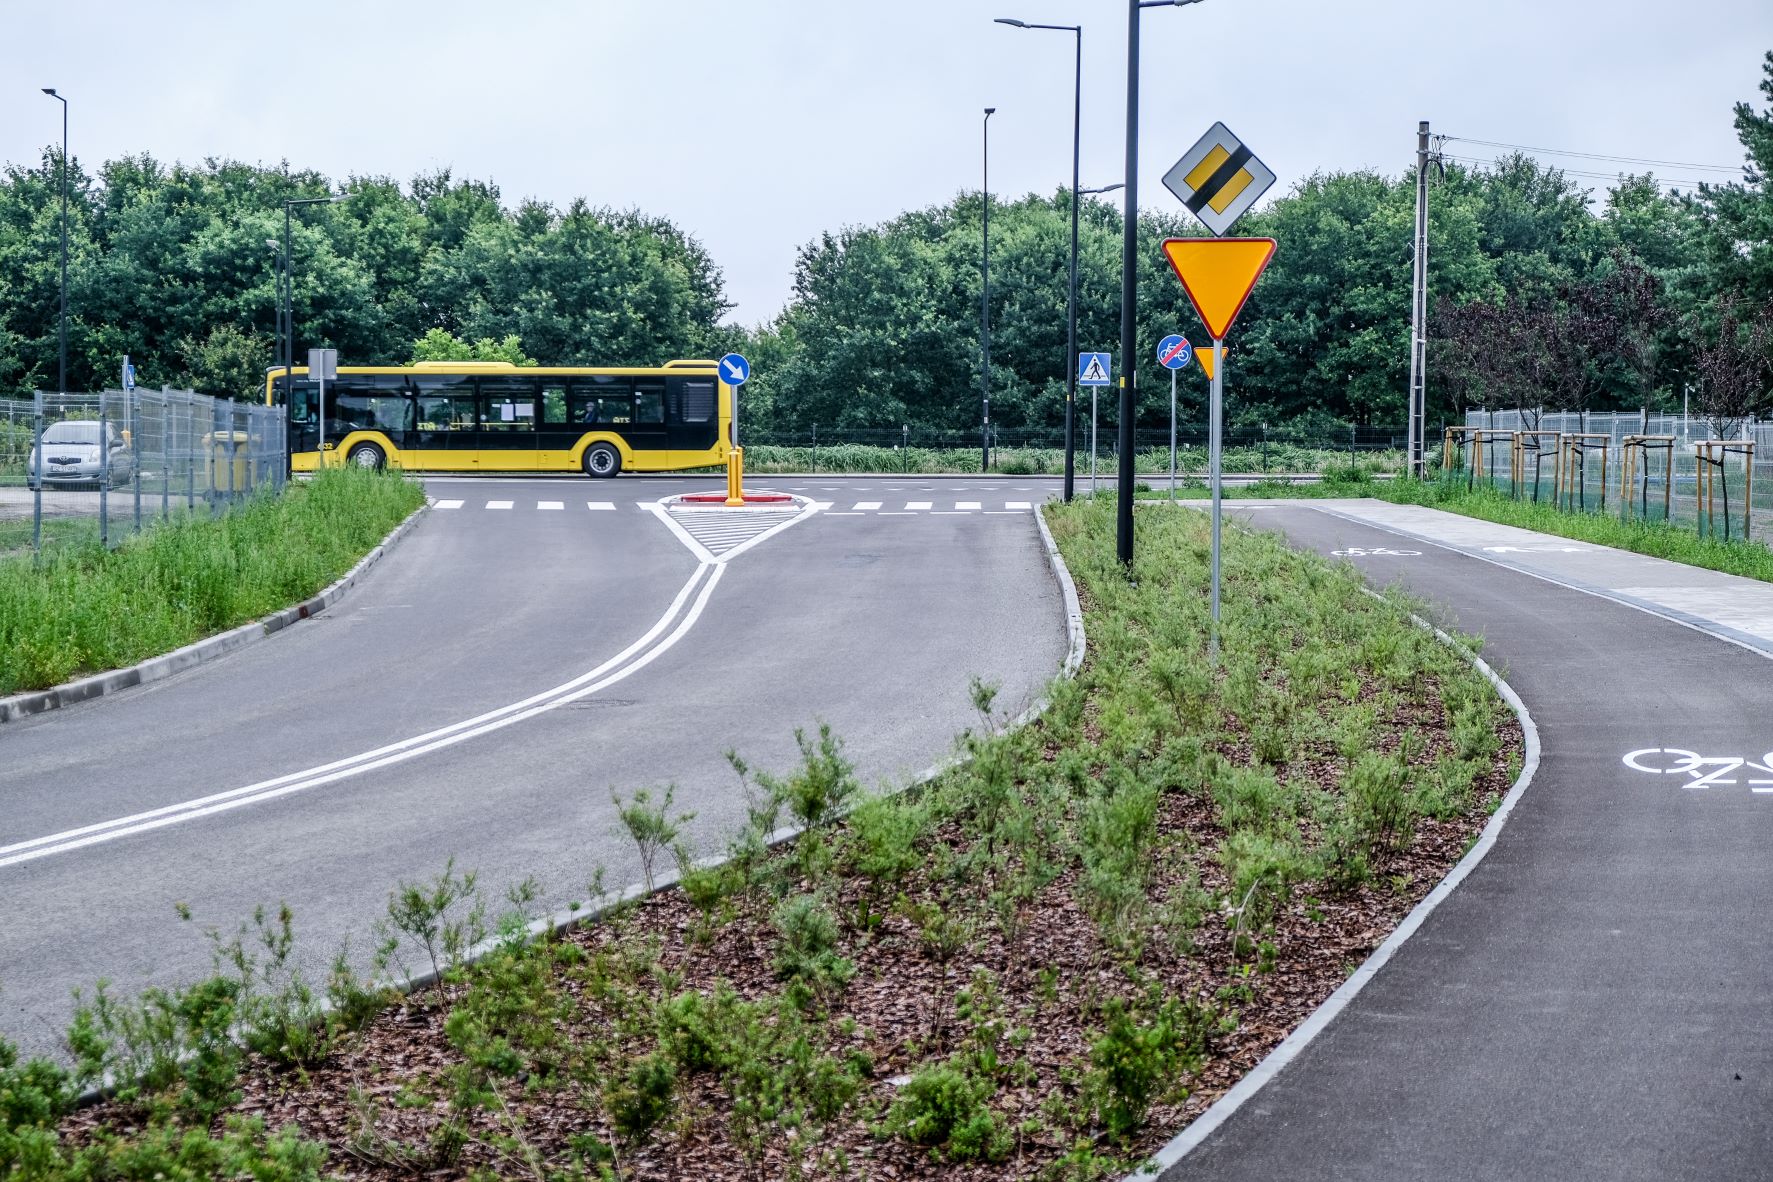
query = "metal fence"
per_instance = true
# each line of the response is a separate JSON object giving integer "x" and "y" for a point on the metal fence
{"x": 1642, "y": 465}
{"x": 1039, "y": 451}
{"x": 82, "y": 468}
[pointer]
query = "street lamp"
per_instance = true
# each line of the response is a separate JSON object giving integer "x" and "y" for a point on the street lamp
{"x": 62, "y": 376}
{"x": 1129, "y": 287}
{"x": 985, "y": 305}
{"x": 1071, "y": 302}
{"x": 287, "y": 307}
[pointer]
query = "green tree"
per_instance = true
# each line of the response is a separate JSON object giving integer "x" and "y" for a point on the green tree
{"x": 439, "y": 345}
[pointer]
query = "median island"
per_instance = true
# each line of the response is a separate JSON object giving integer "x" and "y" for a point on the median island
{"x": 1039, "y": 965}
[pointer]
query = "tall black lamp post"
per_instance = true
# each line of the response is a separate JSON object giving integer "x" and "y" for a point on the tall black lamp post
{"x": 985, "y": 304}
{"x": 1129, "y": 287}
{"x": 62, "y": 375}
{"x": 286, "y": 307}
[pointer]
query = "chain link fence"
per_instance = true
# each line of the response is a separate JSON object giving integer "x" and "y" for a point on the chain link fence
{"x": 1655, "y": 466}
{"x": 84, "y": 468}
{"x": 1041, "y": 451}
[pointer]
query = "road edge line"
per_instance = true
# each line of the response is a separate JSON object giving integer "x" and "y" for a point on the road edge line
{"x": 98, "y": 685}
{"x": 1302, "y": 1035}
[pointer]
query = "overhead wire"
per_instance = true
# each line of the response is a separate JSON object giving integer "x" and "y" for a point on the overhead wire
{"x": 1600, "y": 176}
{"x": 1724, "y": 168}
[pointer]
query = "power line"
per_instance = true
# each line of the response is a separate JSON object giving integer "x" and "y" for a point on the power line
{"x": 1599, "y": 176}
{"x": 1729, "y": 168}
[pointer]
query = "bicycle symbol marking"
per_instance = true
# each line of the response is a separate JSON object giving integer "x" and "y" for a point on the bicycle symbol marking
{"x": 1374, "y": 552}
{"x": 1678, "y": 761}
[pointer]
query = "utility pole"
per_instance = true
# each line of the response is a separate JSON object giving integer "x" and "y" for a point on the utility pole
{"x": 1419, "y": 303}
{"x": 985, "y": 300}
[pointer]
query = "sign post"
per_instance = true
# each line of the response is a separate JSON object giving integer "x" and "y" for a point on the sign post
{"x": 1218, "y": 275}
{"x": 735, "y": 371}
{"x": 1173, "y": 353}
{"x": 322, "y": 364}
{"x": 1094, "y": 370}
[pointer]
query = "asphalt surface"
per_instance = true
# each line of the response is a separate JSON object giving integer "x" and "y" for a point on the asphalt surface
{"x": 1593, "y": 1001}
{"x": 872, "y": 622}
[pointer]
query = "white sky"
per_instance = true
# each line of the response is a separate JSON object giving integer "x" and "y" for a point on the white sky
{"x": 756, "y": 125}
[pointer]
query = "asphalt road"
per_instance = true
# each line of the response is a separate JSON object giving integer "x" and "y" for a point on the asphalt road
{"x": 246, "y": 781}
{"x": 1593, "y": 1001}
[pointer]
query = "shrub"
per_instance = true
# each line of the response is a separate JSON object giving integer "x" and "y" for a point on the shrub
{"x": 945, "y": 1109}
{"x": 807, "y": 957}
{"x": 643, "y": 1097}
{"x": 1134, "y": 1061}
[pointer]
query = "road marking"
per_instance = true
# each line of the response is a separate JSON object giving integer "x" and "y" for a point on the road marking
{"x": 1374, "y": 552}
{"x": 867, "y": 504}
{"x": 1017, "y": 505}
{"x": 915, "y": 505}
{"x": 844, "y": 513}
{"x": 449, "y": 504}
{"x": 550, "y": 504}
{"x": 629, "y": 661}
{"x": 1682, "y": 762}
{"x": 498, "y": 504}
{"x": 895, "y": 513}
{"x": 951, "y": 513}
{"x": 609, "y": 505}
{"x": 966, "y": 505}
{"x": 1003, "y": 512}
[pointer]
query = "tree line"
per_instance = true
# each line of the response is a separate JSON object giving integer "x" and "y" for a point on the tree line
{"x": 1540, "y": 295}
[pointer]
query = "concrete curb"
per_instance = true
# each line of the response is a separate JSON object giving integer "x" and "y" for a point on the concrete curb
{"x": 1204, "y": 1125}
{"x": 208, "y": 649}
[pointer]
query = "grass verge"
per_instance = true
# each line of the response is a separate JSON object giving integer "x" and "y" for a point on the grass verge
{"x": 82, "y": 609}
{"x": 1658, "y": 539}
{"x": 1040, "y": 965}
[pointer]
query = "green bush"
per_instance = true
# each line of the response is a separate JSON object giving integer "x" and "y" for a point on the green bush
{"x": 946, "y": 1109}
{"x": 807, "y": 956}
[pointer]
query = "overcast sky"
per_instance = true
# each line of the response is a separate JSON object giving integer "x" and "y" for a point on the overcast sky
{"x": 757, "y": 124}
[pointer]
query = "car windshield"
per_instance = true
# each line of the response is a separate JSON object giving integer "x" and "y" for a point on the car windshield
{"x": 72, "y": 433}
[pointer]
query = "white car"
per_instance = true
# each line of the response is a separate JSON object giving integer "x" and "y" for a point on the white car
{"x": 71, "y": 455}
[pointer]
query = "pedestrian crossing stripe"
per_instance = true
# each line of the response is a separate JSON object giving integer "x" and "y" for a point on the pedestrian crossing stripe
{"x": 1218, "y": 179}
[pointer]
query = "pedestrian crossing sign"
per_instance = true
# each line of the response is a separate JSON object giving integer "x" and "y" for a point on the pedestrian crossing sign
{"x": 1218, "y": 179}
{"x": 1093, "y": 369}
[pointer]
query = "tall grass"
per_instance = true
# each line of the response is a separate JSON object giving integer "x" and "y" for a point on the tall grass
{"x": 82, "y": 609}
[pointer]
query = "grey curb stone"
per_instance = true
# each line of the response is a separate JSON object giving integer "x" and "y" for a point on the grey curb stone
{"x": 207, "y": 649}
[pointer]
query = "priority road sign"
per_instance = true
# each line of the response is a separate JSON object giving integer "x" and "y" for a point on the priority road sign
{"x": 1218, "y": 179}
{"x": 1217, "y": 274}
{"x": 1174, "y": 351}
{"x": 735, "y": 370}
{"x": 1093, "y": 369}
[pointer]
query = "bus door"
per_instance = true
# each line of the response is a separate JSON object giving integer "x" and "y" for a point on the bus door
{"x": 604, "y": 403}
{"x": 444, "y": 436}
{"x": 693, "y": 426}
{"x": 650, "y": 432}
{"x": 557, "y": 433}
{"x": 507, "y": 424}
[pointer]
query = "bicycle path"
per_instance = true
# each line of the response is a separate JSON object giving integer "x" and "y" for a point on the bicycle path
{"x": 1592, "y": 1001}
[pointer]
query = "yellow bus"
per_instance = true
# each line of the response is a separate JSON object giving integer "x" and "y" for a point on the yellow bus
{"x": 492, "y": 416}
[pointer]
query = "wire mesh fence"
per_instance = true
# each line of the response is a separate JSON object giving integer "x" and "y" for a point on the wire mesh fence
{"x": 1041, "y": 451}
{"x": 1658, "y": 467}
{"x": 97, "y": 467}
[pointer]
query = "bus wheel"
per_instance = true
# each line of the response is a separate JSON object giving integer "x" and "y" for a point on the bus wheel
{"x": 602, "y": 460}
{"x": 367, "y": 455}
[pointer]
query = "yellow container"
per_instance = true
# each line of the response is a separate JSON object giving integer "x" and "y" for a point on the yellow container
{"x": 230, "y": 469}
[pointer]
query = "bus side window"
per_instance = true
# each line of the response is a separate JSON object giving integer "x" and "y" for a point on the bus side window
{"x": 649, "y": 404}
{"x": 554, "y": 404}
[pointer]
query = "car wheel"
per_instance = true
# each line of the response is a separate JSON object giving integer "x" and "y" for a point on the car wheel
{"x": 367, "y": 455}
{"x": 602, "y": 460}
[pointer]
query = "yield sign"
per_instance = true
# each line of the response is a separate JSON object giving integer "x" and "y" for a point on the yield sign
{"x": 1217, "y": 274}
{"x": 1205, "y": 357}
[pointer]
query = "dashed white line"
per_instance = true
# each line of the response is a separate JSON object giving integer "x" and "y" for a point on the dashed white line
{"x": 865, "y": 505}
{"x": 498, "y": 504}
{"x": 915, "y": 505}
{"x": 449, "y": 504}
{"x": 551, "y": 504}
{"x": 609, "y": 505}
{"x": 1017, "y": 505}
{"x": 966, "y": 504}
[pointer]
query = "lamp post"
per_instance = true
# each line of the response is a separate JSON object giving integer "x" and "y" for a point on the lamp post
{"x": 1129, "y": 287}
{"x": 985, "y": 304}
{"x": 1094, "y": 390}
{"x": 62, "y": 374}
{"x": 1071, "y": 303}
{"x": 287, "y": 314}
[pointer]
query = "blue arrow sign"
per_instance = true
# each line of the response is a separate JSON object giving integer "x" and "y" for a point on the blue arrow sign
{"x": 128, "y": 374}
{"x": 734, "y": 370}
{"x": 1174, "y": 352}
{"x": 1093, "y": 369}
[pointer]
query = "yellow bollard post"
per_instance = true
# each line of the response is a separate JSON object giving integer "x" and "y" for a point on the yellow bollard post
{"x": 735, "y": 476}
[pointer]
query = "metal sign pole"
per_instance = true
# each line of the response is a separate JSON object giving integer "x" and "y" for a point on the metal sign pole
{"x": 320, "y": 460}
{"x": 1215, "y": 413}
{"x": 1093, "y": 392}
{"x": 1172, "y": 435}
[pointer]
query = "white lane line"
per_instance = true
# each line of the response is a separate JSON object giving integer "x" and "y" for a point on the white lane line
{"x": 550, "y": 504}
{"x": 915, "y": 505}
{"x": 1017, "y": 505}
{"x": 447, "y": 504}
{"x": 503, "y": 716}
{"x": 498, "y": 504}
{"x": 1003, "y": 512}
{"x": 844, "y": 513}
{"x": 951, "y": 513}
{"x": 966, "y": 505}
{"x": 866, "y": 505}
{"x": 895, "y": 513}
{"x": 609, "y": 505}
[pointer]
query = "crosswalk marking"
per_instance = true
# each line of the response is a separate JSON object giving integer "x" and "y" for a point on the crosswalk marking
{"x": 865, "y": 505}
{"x": 1017, "y": 505}
{"x": 917, "y": 504}
{"x": 966, "y": 504}
{"x": 498, "y": 504}
{"x": 449, "y": 504}
{"x": 551, "y": 504}
{"x": 610, "y": 505}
